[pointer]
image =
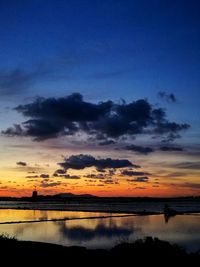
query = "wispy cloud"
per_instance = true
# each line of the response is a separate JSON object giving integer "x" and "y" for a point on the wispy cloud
{"x": 171, "y": 148}
{"x": 191, "y": 185}
{"x": 168, "y": 97}
{"x": 49, "y": 184}
{"x": 192, "y": 165}
{"x": 14, "y": 82}
{"x": 133, "y": 173}
{"x": 139, "y": 149}
{"x": 18, "y": 80}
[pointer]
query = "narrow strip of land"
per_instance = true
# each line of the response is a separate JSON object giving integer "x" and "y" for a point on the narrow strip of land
{"x": 68, "y": 219}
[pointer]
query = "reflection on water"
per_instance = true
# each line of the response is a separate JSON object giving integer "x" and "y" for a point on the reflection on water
{"x": 168, "y": 217}
{"x": 79, "y": 233}
{"x": 101, "y": 232}
{"x": 10, "y": 215}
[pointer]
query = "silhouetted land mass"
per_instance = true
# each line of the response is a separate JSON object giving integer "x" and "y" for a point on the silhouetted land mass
{"x": 87, "y": 198}
{"x": 148, "y": 251}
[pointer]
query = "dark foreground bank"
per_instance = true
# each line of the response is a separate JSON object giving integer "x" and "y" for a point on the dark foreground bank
{"x": 148, "y": 251}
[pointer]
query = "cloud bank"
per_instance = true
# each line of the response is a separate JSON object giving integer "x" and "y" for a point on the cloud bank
{"x": 78, "y": 162}
{"x": 70, "y": 115}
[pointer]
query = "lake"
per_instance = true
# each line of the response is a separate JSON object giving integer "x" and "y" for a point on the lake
{"x": 98, "y": 230}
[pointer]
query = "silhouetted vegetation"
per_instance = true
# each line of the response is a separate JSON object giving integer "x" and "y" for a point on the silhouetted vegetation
{"x": 148, "y": 250}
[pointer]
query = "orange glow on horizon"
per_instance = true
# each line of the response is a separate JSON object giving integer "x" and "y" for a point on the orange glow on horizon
{"x": 14, "y": 181}
{"x": 110, "y": 191}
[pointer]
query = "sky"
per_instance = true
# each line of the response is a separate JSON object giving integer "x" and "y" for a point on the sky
{"x": 100, "y": 97}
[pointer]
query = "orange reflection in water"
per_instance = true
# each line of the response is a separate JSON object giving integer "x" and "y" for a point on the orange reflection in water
{"x": 100, "y": 232}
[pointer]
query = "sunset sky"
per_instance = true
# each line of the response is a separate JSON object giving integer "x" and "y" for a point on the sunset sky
{"x": 100, "y": 97}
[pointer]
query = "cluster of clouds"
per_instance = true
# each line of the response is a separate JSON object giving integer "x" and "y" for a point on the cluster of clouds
{"x": 106, "y": 121}
{"x": 105, "y": 170}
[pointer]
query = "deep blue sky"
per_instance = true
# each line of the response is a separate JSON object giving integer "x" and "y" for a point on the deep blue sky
{"x": 124, "y": 48}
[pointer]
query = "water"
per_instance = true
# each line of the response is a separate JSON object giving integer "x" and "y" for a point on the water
{"x": 99, "y": 232}
{"x": 191, "y": 205}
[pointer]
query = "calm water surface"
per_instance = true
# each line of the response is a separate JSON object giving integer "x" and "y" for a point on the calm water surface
{"x": 100, "y": 232}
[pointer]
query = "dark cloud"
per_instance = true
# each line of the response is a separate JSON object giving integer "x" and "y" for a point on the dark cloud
{"x": 68, "y": 176}
{"x": 109, "y": 181}
{"x": 44, "y": 175}
{"x": 90, "y": 181}
{"x": 32, "y": 176}
{"x": 141, "y": 179}
{"x": 95, "y": 176}
{"x": 59, "y": 172}
{"x": 107, "y": 142}
{"x": 188, "y": 165}
{"x": 21, "y": 163}
{"x": 53, "y": 117}
{"x": 81, "y": 161}
{"x": 111, "y": 172}
{"x": 50, "y": 184}
{"x": 171, "y": 148}
{"x": 101, "y": 170}
{"x": 15, "y": 130}
{"x": 170, "y": 98}
{"x": 133, "y": 173}
{"x": 170, "y": 128}
{"x": 139, "y": 149}
{"x": 140, "y": 187}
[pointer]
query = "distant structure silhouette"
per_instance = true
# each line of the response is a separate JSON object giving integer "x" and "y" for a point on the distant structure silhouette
{"x": 169, "y": 212}
{"x": 34, "y": 194}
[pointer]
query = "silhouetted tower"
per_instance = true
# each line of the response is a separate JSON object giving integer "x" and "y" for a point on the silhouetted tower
{"x": 34, "y": 194}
